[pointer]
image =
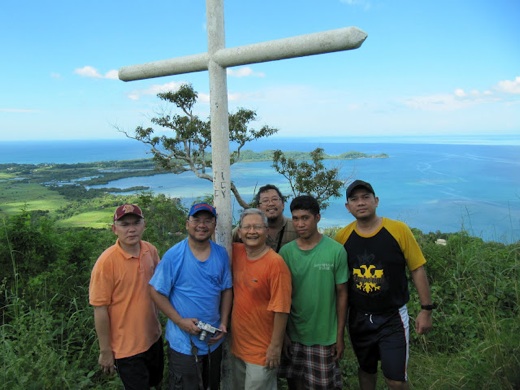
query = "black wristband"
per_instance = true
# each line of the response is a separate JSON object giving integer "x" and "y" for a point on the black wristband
{"x": 429, "y": 307}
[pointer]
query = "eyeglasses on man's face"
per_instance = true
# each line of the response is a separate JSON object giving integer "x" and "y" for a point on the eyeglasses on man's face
{"x": 256, "y": 228}
{"x": 270, "y": 200}
{"x": 200, "y": 221}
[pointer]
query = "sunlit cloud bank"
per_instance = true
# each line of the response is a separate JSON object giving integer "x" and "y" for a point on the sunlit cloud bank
{"x": 460, "y": 99}
{"x": 509, "y": 86}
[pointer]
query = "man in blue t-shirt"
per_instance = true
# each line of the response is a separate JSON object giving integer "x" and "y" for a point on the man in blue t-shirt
{"x": 192, "y": 283}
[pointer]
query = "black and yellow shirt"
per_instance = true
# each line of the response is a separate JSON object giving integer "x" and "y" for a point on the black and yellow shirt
{"x": 377, "y": 265}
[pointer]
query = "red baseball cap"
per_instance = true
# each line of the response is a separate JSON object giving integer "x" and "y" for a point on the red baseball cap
{"x": 126, "y": 209}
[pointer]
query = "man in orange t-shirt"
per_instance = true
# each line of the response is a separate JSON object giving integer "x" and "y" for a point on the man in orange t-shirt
{"x": 126, "y": 318}
{"x": 262, "y": 302}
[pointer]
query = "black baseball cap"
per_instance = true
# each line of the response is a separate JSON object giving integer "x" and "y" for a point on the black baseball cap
{"x": 359, "y": 183}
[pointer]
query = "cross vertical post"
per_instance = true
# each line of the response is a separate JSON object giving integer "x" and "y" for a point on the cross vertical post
{"x": 219, "y": 123}
{"x": 216, "y": 60}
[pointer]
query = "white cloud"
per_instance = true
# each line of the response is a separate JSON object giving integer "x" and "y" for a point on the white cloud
{"x": 88, "y": 71}
{"x": 204, "y": 97}
{"x": 155, "y": 89}
{"x": 460, "y": 92}
{"x": 509, "y": 86}
{"x": 460, "y": 99}
{"x": 112, "y": 74}
{"x": 91, "y": 72}
{"x": 244, "y": 71}
{"x": 438, "y": 102}
{"x": 174, "y": 86}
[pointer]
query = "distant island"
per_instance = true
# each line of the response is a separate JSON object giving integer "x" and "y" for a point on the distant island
{"x": 74, "y": 178}
{"x": 267, "y": 155}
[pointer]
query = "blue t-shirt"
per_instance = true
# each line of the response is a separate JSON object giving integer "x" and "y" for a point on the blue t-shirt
{"x": 194, "y": 289}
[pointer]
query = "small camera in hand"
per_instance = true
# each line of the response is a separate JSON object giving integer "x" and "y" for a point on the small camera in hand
{"x": 205, "y": 329}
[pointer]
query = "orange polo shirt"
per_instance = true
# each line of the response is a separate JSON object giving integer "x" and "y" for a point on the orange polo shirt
{"x": 120, "y": 282}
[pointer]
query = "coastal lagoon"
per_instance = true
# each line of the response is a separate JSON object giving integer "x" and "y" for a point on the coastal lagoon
{"x": 432, "y": 187}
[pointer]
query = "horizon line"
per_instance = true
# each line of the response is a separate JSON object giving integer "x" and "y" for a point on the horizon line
{"x": 510, "y": 139}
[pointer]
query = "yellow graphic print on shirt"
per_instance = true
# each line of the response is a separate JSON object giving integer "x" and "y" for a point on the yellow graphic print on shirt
{"x": 368, "y": 279}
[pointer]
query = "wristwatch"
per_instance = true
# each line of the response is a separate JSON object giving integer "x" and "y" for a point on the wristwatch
{"x": 429, "y": 307}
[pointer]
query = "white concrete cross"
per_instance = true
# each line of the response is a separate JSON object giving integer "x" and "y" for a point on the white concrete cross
{"x": 216, "y": 60}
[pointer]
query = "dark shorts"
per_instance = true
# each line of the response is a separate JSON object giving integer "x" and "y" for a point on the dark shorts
{"x": 382, "y": 337}
{"x": 143, "y": 370}
{"x": 314, "y": 364}
{"x": 187, "y": 374}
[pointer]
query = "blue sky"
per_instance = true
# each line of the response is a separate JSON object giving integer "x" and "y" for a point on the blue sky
{"x": 428, "y": 68}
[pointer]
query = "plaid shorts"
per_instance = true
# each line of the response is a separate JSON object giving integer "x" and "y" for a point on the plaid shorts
{"x": 315, "y": 364}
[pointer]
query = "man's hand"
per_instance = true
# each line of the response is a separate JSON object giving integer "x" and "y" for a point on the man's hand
{"x": 217, "y": 336}
{"x": 423, "y": 322}
{"x": 189, "y": 325}
{"x": 339, "y": 349}
{"x": 273, "y": 355}
{"x": 106, "y": 361}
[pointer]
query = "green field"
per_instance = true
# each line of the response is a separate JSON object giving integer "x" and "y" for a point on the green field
{"x": 53, "y": 190}
{"x": 92, "y": 219}
{"x": 15, "y": 196}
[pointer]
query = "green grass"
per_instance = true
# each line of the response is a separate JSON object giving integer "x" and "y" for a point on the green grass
{"x": 15, "y": 196}
{"x": 91, "y": 219}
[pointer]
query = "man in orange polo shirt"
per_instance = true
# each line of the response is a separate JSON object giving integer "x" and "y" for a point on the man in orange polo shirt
{"x": 125, "y": 316}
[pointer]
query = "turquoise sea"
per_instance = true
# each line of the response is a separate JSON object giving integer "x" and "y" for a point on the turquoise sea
{"x": 431, "y": 186}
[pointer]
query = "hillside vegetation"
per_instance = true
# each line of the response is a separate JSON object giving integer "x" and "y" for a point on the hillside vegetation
{"x": 50, "y": 238}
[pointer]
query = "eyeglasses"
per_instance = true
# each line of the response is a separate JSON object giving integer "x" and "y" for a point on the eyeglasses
{"x": 206, "y": 222}
{"x": 128, "y": 224}
{"x": 267, "y": 200}
{"x": 256, "y": 228}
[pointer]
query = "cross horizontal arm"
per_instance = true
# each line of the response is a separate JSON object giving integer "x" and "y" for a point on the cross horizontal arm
{"x": 346, "y": 38}
{"x": 179, "y": 65}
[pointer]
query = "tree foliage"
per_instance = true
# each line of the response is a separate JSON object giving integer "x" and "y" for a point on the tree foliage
{"x": 309, "y": 177}
{"x": 185, "y": 147}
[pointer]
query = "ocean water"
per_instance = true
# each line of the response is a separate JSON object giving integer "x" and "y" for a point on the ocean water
{"x": 432, "y": 187}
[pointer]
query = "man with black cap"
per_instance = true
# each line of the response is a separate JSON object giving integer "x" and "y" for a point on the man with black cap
{"x": 192, "y": 287}
{"x": 126, "y": 318}
{"x": 379, "y": 252}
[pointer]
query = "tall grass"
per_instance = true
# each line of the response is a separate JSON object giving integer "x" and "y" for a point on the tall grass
{"x": 48, "y": 341}
{"x": 476, "y": 339}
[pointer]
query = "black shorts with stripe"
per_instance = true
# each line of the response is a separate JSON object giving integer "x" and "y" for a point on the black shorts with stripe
{"x": 381, "y": 337}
